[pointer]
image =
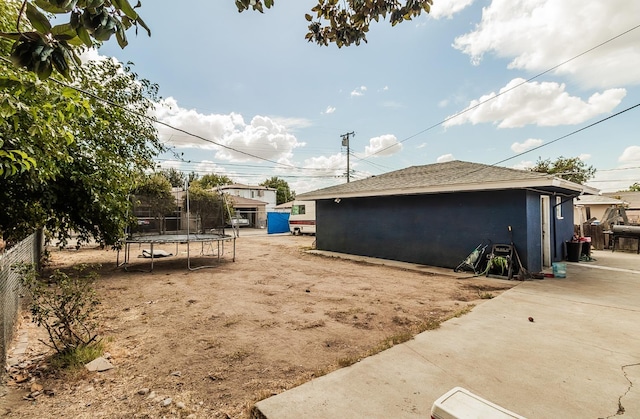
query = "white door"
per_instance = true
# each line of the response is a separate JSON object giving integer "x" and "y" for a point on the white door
{"x": 546, "y": 229}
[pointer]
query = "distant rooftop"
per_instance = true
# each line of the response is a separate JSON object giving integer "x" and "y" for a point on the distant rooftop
{"x": 241, "y": 186}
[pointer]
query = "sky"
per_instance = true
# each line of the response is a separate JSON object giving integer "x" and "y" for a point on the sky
{"x": 504, "y": 82}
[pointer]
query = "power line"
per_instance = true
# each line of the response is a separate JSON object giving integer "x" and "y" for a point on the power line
{"x": 569, "y": 134}
{"x": 508, "y": 90}
{"x": 112, "y": 103}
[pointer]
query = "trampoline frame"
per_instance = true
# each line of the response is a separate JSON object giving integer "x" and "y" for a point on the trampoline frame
{"x": 215, "y": 236}
{"x": 151, "y": 240}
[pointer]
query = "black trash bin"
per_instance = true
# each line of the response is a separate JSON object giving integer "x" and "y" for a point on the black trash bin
{"x": 574, "y": 249}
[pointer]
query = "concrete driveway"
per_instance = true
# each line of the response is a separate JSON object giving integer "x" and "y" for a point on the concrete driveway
{"x": 579, "y": 358}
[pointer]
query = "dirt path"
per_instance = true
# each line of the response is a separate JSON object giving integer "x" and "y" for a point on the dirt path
{"x": 215, "y": 341}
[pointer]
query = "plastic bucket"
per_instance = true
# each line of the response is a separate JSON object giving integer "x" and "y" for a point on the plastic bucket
{"x": 559, "y": 270}
{"x": 574, "y": 249}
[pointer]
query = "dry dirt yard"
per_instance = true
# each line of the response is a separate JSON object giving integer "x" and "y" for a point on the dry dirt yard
{"x": 215, "y": 341}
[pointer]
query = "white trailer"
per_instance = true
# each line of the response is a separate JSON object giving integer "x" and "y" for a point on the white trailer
{"x": 303, "y": 217}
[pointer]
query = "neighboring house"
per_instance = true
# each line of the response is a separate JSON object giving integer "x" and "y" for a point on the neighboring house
{"x": 632, "y": 200}
{"x": 259, "y": 193}
{"x": 252, "y": 202}
{"x": 437, "y": 214}
{"x": 251, "y": 209}
{"x": 587, "y": 207}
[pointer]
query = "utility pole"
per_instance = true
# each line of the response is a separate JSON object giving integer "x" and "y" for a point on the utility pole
{"x": 345, "y": 143}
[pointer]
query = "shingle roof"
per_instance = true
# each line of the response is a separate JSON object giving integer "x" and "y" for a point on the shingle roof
{"x": 599, "y": 200}
{"x": 239, "y": 201}
{"x": 446, "y": 177}
{"x": 633, "y": 198}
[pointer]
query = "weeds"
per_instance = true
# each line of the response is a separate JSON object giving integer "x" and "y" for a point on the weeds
{"x": 65, "y": 306}
{"x": 485, "y": 295}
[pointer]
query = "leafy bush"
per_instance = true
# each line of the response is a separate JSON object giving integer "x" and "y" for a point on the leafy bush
{"x": 65, "y": 305}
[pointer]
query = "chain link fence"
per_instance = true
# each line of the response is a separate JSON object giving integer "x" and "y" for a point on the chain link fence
{"x": 28, "y": 251}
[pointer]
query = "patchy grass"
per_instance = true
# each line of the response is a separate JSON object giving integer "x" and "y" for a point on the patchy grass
{"x": 77, "y": 358}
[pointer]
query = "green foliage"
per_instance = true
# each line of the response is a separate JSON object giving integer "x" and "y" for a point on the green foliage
{"x": 572, "y": 169}
{"x": 175, "y": 177}
{"x": 347, "y": 22}
{"x": 152, "y": 197}
{"x": 41, "y": 47}
{"x": 211, "y": 180}
{"x": 635, "y": 187}
{"x": 283, "y": 193}
{"x": 64, "y": 305}
{"x": 206, "y": 207}
{"x": 69, "y": 159}
{"x": 84, "y": 153}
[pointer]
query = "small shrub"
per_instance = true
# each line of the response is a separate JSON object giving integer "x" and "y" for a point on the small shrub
{"x": 65, "y": 306}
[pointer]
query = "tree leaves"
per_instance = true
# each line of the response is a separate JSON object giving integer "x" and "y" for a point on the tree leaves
{"x": 569, "y": 168}
{"x": 347, "y": 23}
{"x": 45, "y": 48}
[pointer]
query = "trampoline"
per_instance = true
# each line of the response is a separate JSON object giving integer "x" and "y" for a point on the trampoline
{"x": 215, "y": 246}
{"x": 175, "y": 220}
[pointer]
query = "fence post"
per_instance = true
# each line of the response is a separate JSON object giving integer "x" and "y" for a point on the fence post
{"x": 38, "y": 245}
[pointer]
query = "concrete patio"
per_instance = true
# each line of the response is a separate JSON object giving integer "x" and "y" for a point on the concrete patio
{"x": 580, "y": 357}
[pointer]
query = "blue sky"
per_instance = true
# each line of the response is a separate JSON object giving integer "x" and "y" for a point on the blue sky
{"x": 252, "y": 83}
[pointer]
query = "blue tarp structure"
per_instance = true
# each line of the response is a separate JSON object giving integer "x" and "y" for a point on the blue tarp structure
{"x": 277, "y": 222}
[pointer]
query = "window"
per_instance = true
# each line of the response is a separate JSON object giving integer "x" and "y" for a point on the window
{"x": 297, "y": 210}
{"x": 559, "y": 208}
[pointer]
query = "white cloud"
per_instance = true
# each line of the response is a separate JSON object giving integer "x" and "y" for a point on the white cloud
{"x": 333, "y": 165}
{"x": 584, "y": 156}
{"x": 614, "y": 180}
{"x": 91, "y": 54}
{"x": 523, "y": 165}
{"x": 622, "y": 177}
{"x": 526, "y": 145}
{"x": 630, "y": 155}
{"x": 384, "y": 145}
{"x": 423, "y": 145}
{"x": 228, "y": 135}
{"x": 292, "y": 123}
{"x": 329, "y": 110}
{"x": 359, "y": 91}
{"x": 447, "y": 8}
{"x": 445, "y": 158}
{"x": 540, "y": 34}
{"x": 540, "y": 103}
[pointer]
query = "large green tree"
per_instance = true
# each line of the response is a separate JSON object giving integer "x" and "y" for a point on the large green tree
{"x": 212, "y": 180}
{"x": 82, "y": 151}
{"x": 284, "y": 192}
{"x": 569, "y": 168}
